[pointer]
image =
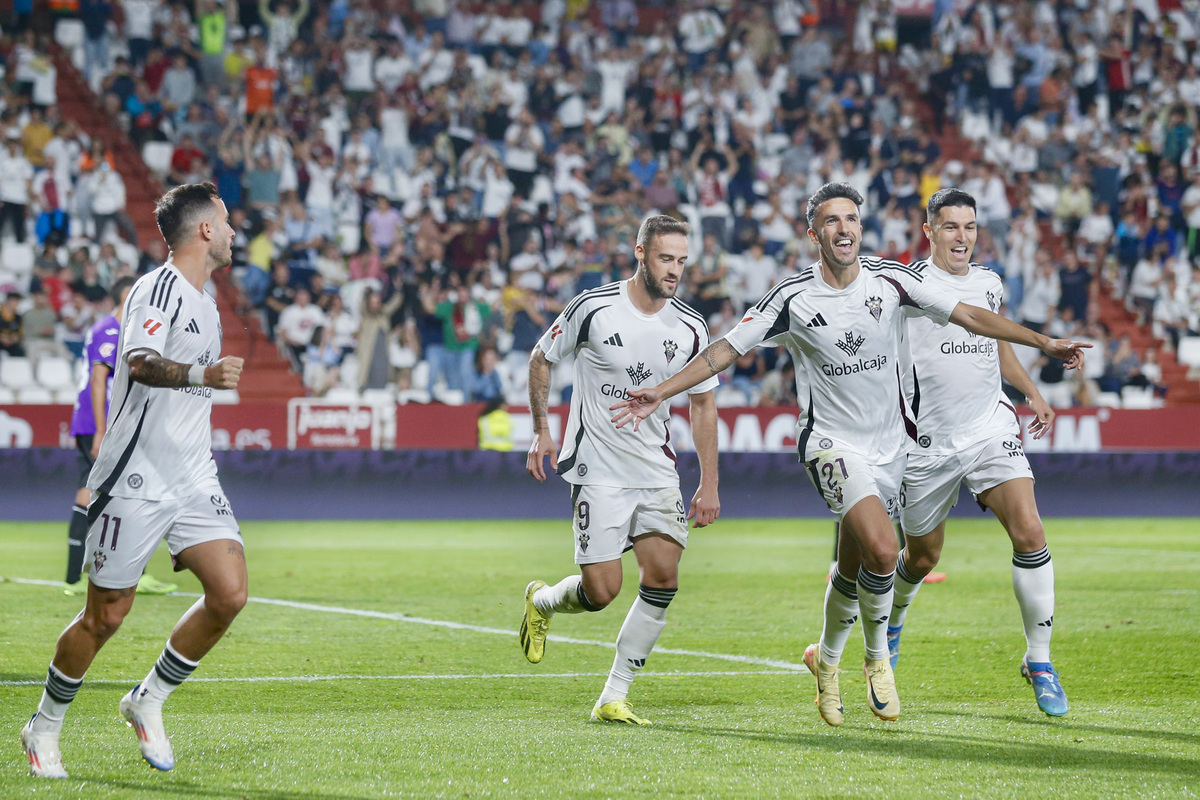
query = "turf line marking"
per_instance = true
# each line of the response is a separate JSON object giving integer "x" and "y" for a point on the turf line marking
{"x": 457, "y": 677}
{"x": 462, "y": 626}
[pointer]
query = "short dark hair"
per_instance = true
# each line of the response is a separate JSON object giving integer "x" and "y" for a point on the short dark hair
{"x": 658, "y": 226}
{"x": 182, "y": 207}
{"x": 119, "y": 286}
{"x": 947, "y": 198}
{"x": 829, "y": 192}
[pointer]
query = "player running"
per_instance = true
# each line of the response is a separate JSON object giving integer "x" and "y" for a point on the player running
{"x": 155, "y": 477}
{"x": 88, "y": 426}
{"x": 841, "y": 318}
{"x": 624, "y": 486}
{"x": 968, "y": 432}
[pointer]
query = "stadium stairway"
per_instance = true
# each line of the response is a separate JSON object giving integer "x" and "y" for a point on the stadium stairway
{"x": 268, "y": 378}
{"x": 1112, "y": 311}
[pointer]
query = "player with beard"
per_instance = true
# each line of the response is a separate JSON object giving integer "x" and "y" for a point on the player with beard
{"x": 624, "y": 486}
{"x": 841, "y": 318}
{"x": 155, "y": 478}
{"x": 968, "y": 432}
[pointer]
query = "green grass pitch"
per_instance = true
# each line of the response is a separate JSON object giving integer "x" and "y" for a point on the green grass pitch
{"x": 393, "y": 670}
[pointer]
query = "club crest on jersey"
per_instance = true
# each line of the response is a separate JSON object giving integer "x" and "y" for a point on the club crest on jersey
{"x": 875, "y": 304}
{"x": 669, "y": 348}
{"x": 991, "y": 298}
{"x": 98, "y": 560}
{"x": 638, "y": 374}
{"x": 850, "y": 343}
{"x": 135, "y": 481}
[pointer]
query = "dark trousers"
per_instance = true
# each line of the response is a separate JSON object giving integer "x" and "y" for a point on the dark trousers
{"x": 13, "y": 213}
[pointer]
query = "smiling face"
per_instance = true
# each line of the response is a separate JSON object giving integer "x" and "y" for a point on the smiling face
{"x": 952, "y": 237}
{"x": 661, "y": 264}
{"x": 837, "y": 231}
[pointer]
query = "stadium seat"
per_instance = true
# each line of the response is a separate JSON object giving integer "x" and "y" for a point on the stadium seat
{"x": 35, "y": 396}
{"x": 1138, "y": 397}
{"x": 69, "y": 33}
{"x": 17, "y": 258}
{"x": 341, "y": 394}
{"x": 65, "y": 397}
{"x": 348, "y": 372}
{"x": 420, "y": 375}
{"x": 379, "y": 397}
{"x": 451, "y": 397}
{"x": 55, "y": 374}
{"x": 226, "y": 397}
{"x": 157, "y": 156}
{"x": 1189, "y": 351}
{"x": 729, "y": 397}
{"x": 17, "y": 374}
{"x": 1108, "y": 400}
{"x": 413, "y": 396}
{"x": 7, "y": 396}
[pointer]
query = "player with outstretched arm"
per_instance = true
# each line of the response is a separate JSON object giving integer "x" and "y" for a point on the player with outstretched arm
{"x": 841, "y": 317}
{"x": 624, "y": 485}
{"x": 155, "y": 478}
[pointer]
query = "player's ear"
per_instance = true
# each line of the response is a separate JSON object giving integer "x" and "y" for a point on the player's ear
{"x": 928, "y": 231}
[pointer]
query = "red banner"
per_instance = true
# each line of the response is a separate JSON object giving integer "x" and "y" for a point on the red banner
{"x": 317, "y": 425}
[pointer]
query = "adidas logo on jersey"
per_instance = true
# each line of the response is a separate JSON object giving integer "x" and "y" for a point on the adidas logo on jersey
{"x": 817, "y": 322}
{"x": 615, "y": 340}
{"x": 192, "y": 327}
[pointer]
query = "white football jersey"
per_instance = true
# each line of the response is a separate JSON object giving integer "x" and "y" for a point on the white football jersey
{"x": 951, "y": 376}
{"x": 159, "y": 441}
{"x": 848, "y": 343}
{"x": 618, "y": 348}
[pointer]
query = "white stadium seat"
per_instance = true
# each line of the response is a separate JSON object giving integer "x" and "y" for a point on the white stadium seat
{"x": 379, "y": 397}
{"x": 35, "y": 396}
{"x": 341, "y": 394}
{"x": 55, "y": 374}
{"x": 16, "y": 374}
{"x": 1189, "y": 351}
{"x": 157, "y": 156}
{"x": 226, "y": 397}
{"x": 7, "y": 396}
{"x": 69, "y": 33}
{"x": 65, "y": 397}
{"x": 17, "y": 258}
{"x": 1138, "y": 397}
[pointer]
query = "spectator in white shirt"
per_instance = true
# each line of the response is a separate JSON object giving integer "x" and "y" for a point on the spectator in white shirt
{"x": 297, "y": 323}
{"x": 16, "y": 186}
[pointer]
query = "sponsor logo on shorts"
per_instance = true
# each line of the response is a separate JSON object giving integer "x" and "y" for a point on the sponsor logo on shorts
{"x": 583, "y": 542}
{"x": 924, "y": 441}
{"x": 1014, "y": 448}
{"x": 135, "y": 481}
{"x": 222, "y": 506}
{"x": 582, "y": 470}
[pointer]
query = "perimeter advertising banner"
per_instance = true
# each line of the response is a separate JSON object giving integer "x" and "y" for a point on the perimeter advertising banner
{"x": 313, "y": 424}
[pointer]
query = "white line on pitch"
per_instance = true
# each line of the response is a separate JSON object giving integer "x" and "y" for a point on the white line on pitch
{"x": 452, "y": 677}
{"x": 398, "y": 617}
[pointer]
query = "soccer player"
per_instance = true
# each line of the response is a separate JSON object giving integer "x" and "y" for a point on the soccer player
{"x": 624, "y": 486}
{"x": 841, "y": 318}
{"x": 155, "y": 477}
{"x": 968, "y": 432}
{"x": 88, "y": 427}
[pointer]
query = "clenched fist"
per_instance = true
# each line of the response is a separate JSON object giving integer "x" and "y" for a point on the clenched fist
{"x": 224, "y": 374}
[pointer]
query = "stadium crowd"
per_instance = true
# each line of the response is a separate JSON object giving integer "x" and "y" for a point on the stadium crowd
{"x": 418, "y": 188}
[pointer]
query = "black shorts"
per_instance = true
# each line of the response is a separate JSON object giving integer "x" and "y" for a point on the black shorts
{"x": 83, "y": 443}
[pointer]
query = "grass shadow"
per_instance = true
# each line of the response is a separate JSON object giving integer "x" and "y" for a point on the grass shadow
{"x": 168, "y": 787}
{"x": 1081, "y": 727}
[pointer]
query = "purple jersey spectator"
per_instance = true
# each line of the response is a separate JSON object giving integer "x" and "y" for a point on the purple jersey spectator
{"x": 100, "y": 347}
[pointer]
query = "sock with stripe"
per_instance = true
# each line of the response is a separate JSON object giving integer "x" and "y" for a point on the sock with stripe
{"x": 643, "y": 624}
{"x": 841, "y": 612}
{"x": 60, "y": 690}
{"x": 567, "y": 596}
{"x": 904, "y": 592}
{"x": 76, "y": 540}
{"x": 875, "y": 594}
{"x": 169, "y": 671}
{"x": 1033, "y": 584}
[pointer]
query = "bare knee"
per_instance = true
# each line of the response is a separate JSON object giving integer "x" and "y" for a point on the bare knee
{"x": 102, "y": 622}
{"x": 1027, "y": 533}
{"x": 600, "y": 593}
{"x": 880, "y": 556}
{"x": 226, "y": 604}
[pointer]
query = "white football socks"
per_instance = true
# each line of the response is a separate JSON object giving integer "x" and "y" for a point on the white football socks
{"x": 1033, "y": 584}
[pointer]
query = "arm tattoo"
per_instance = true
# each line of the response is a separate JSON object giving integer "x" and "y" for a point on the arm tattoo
{"x": 719, "y": 355}
{"x": 148, "y": 367}
{"x": 539, "y": 388}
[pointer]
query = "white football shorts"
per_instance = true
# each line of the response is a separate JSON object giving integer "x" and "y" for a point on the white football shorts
{"x": 845, "y": 478}
{"x": 931, "y": 482}
{"x": 123, "y": 532}
{"x": 607, "y": 519}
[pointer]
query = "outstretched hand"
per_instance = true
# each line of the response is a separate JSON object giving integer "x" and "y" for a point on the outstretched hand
{"x": 641, "y": 404}
{"x": 542, "y": 446}
{"x": 1043, "y": 420}
{"x": 1069, "y": 351}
